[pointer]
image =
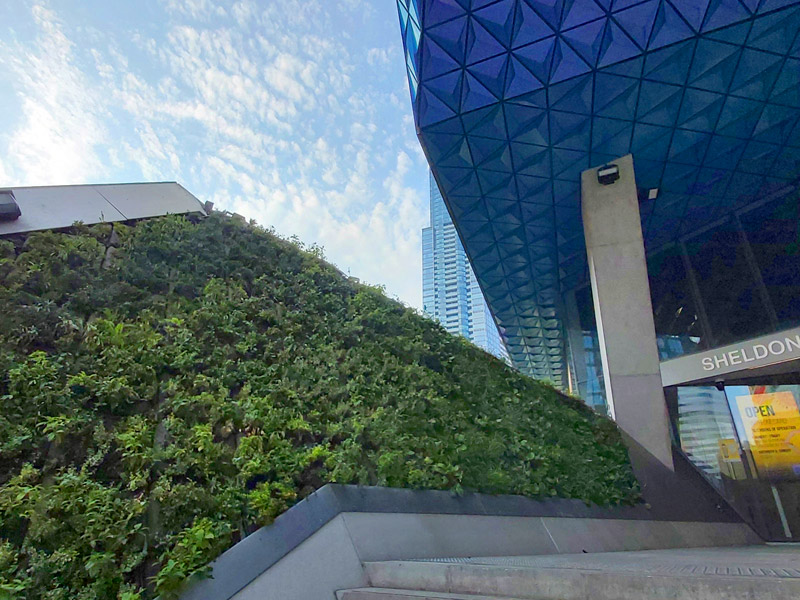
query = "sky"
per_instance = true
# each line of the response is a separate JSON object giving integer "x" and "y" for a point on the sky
{"x": 295, "y": 113}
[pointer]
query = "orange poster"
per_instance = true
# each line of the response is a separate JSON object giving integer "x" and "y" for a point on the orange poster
{"x": 772, "y": 429}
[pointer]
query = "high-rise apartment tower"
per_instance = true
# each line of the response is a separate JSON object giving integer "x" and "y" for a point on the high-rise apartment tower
{"x": 450, "y": 292}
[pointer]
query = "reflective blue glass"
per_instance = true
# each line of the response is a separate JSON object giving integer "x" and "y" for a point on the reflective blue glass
{"x": 517, "y": 97}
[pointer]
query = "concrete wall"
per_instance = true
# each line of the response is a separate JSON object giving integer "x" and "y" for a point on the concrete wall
{"x": 331, "y": 559}
{"x": 318, "y": 545}
{"x": 623, "y": 309}
{"x": 325, "y": 562}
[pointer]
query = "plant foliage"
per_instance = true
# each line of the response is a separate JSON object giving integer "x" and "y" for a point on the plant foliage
{"x": 164, "y": 398}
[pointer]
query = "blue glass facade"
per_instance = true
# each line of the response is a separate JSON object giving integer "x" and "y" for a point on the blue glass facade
{"x": 450, "y": 292}
{"x": 514, "y": 98}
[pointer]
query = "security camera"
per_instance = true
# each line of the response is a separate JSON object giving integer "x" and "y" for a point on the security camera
{"x": 607, "y": 174}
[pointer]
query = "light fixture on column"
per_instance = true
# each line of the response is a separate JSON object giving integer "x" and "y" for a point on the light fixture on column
{"x": 607, "y": 174}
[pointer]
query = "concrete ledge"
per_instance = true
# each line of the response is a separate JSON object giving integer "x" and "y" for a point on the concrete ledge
{"x": 562, "y": 584}
{"x": 367, "y": 524}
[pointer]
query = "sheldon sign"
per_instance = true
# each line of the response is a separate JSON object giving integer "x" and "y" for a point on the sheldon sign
{"x": 758, "y": 352}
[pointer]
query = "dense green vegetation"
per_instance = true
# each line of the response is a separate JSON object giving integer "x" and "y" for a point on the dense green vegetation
{"x": 162, "y": 399}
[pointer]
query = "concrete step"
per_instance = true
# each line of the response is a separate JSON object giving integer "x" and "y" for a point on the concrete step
{"x": 390, "y": 594}
{"x": 687, "y": 575}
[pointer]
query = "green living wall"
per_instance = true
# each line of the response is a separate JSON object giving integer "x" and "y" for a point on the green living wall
{"x": 165, "y": 389}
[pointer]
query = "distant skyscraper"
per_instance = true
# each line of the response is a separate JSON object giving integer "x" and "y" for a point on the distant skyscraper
{"x": 450, "y": 292}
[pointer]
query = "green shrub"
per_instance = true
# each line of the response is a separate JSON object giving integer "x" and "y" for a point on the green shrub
{"x": 157, "y": 411}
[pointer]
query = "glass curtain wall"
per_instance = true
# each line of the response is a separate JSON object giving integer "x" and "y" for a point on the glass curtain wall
{"x": 735, "y": 280}
{"x": 745, "y": 439}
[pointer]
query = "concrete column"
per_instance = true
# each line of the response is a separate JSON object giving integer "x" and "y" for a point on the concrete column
{"x": 623, "y": 309}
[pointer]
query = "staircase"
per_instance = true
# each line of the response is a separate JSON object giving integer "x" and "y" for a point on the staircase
{"x": 751, "y": 573}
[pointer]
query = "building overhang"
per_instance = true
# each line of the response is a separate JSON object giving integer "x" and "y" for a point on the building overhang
{"x": 513, "y": 99}
{"x": 60, "y": 206}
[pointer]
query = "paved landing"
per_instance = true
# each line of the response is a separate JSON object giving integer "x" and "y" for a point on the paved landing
{"x": 772, "y": 561}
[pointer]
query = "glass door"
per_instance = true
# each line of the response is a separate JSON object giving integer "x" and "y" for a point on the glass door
{"x": 745, "y": 439}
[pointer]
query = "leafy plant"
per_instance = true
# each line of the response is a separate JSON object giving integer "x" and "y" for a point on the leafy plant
{"x": 157, "y": 410}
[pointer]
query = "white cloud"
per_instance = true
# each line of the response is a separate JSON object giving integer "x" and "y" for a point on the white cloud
{"x": 60, "y": 128}
{"x": 277, "y": 111}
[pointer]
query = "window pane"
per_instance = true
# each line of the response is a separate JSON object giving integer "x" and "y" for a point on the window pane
{"x": 727, "y": 285}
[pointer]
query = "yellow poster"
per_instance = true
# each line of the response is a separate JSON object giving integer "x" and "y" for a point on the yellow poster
{"x": 772, "y": 429}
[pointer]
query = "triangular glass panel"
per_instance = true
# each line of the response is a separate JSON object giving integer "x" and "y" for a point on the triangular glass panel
{"x": 437, "y": 11}
{"x": 568, "y": 130}
{"x": 531, "y": 160}
{"x": 519, "y": 80}
{"x": 615, "y": 96}
{"x": 787, "y": 87}
{"x": 692, "y": 11}
{"x": 537, "y": 57}
{"x": 566, "y": 63}
{"x": 403, "y": 13}
{"x": 688, "y": 146}
{"x": 778, "y": 30}
{"x": 629, "y": 68}
{"x": 447, "y": 88}
{"x": 668, "y": 28}
{"x": 528, "y": 26}
{"x": 537, "y": 99}
{"x": 442, "y": 146}
{"x": 527, "y": 124}
{"x": 495, "y": 183}
{"x": 475, "y": 95}
{"x": 700, "y": 110}
{"x": 451, "y": 37}
{"x": 758, "y": 157}
{"x": 670, "y": 65}
{"x": 500, "y": 160}
{"x": 434, "y": 60}
{"x": 611, "y": 136}
{"x": 724, "y": 12}
{"x": 498, "y": 19}
{"x": 483, "y": 149}
{"x": 617, "y": 46}
{"x": 568, "y": 164}
{"x": 491, "y": 73}
{"x": 549, "y": 10}
{"x": 714, "y": 65}
{"x": 480, "y": 43}
{"x": 638, "y": 21}
{"x": 659, "y": 103}
{"x": 651, "y": 142}
{"x": 453, "y": 179}
{"x": 536, "y": 190}
{"x": 532, "y": 211}
{"x": 587, "y": 40}
{"x": 768, "y": 5}
{"x": 724, "y": 152}
{"x": 776, "y": 124}
{"x": 735, "y": 34}
{"x": 449, "y": 126}
{"x": 573, "y": 95}
{"x": 739, "y": 117}
{"x": 487, "y": 122}
{"x": 578, "y": 12}
{"x": 431, "y": 109}
{"x": 756, "y": 74}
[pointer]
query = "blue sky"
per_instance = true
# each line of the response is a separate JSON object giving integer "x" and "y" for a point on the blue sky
{"x": 295, "y": 113}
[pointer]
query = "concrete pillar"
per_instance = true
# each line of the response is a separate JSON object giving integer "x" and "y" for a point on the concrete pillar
{"x": 623, "y": 309}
